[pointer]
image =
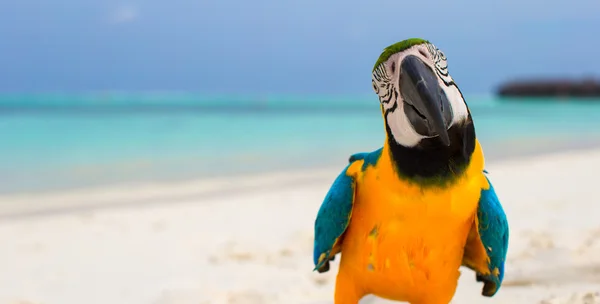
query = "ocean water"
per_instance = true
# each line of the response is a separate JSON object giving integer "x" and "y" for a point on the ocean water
{"x": 50, "y": 142}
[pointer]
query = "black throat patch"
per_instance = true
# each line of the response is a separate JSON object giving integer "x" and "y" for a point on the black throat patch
{"x": 431, "y": 163}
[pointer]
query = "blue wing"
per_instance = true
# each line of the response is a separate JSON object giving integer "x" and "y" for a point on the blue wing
{"x": 333, "y": 217}
{"x": 493, "y": 232}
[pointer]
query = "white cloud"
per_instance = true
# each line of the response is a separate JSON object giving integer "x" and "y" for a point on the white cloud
{"x": 124, "y": 14}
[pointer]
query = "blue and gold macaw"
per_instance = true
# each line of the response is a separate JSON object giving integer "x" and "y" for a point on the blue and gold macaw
{"x": 406, "y": 217}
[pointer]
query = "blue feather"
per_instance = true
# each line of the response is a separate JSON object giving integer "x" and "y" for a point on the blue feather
{"x": 493, "y": 229}
{"x": 335, "y": 212}
{"x": 333, "y": 218}
{"x": 358, "y": 156}
{"x": 370, "y": 158}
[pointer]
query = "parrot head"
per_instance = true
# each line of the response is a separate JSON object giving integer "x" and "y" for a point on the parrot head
{"x": 428, "y": 124}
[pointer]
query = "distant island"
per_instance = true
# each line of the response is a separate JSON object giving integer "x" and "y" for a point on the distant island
{"x": 563, "y": 88}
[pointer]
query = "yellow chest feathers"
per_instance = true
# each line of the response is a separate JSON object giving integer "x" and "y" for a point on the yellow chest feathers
{"x": 405, "y": 214}
{"x": 380, "y": 194}
{"x": 402, "y": 234}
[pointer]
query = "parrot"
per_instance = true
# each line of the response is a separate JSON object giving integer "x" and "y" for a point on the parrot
{"x": 406, "y": 217}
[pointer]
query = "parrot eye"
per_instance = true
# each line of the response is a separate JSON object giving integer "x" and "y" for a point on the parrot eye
{"x": 393, "y": 67}
{"x": 423, "y": 53}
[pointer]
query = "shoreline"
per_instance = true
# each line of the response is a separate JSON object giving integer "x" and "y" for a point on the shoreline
{"x": 24, "y": 204}
{"x": 27, "y": 204}
{"x": 494, "y": 151}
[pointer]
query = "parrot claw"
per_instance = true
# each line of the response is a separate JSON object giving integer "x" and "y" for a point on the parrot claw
{"x": 489, "y": 287}
{"x": 324, "y": 268}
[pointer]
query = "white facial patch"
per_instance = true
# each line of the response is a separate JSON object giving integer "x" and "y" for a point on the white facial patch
{"x": 385, "y": 83}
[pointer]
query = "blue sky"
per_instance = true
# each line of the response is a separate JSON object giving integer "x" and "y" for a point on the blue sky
{"x": 296, "y": 46}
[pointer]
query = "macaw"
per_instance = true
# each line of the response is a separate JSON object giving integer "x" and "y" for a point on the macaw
{"x": 408, "y": 215}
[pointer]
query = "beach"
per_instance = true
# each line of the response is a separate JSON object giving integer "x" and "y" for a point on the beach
{"x": 249, "y": 239}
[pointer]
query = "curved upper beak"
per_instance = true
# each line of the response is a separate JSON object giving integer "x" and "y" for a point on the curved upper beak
{"x": 427, "y": 106}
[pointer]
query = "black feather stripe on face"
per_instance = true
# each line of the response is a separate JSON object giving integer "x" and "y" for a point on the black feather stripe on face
{"x": 392, "y": 109}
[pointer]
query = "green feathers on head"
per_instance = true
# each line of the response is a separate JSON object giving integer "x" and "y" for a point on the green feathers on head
{"x": 397, "y": 47}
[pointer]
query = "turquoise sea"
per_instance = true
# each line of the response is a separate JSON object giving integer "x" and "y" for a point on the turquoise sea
{"x": 58, "y": 141}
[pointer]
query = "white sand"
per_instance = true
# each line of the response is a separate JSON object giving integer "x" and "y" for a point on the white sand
{"x": 186, "y": 243}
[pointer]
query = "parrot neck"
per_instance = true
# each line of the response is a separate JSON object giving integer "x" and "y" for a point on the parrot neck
{"x": 431, "y": 162}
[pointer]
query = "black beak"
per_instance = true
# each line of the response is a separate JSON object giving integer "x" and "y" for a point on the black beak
{"x": 426, "y": 104}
